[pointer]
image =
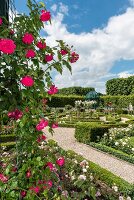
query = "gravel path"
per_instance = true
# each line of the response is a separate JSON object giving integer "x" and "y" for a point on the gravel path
{"x": 66, "y": 140}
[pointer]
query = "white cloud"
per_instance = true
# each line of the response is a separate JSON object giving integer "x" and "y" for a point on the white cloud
{"x": 63, "y": 8}
{"x": 98, "y": 49}
{"x": 125, "y": 74}
{"x": 54, "y": 7}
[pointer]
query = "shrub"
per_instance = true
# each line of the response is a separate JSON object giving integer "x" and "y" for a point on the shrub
{"x": 62, "y": 101}
{"x": 120, "y": 86}
{"x": 75, "y": 91}
{"x": 87, "y": 132}
{"x": 114, "y": 152}
{"x": 118, "y": 101}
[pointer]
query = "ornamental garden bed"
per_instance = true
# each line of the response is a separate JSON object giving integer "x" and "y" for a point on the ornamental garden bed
{"x": 77, "y": 177}
{"x": 118, "y": 141}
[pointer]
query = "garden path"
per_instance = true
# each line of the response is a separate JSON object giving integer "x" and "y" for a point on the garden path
{"x": 66, "y": 140}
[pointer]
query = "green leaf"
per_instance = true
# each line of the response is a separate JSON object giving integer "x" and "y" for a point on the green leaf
{"x": 38, "y": 158}
{"x": 67, "y": 65}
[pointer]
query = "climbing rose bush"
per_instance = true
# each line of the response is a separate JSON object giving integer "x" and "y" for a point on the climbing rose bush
{"x": 30, "y": 173}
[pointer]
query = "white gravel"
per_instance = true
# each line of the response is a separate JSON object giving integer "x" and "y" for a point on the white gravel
{"x": 66, "y": 140}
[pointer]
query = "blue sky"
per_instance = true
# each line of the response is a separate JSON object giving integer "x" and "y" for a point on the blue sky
{"x": 102, "y": 24}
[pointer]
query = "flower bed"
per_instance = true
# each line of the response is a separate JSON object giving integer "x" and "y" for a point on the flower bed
{"x": 73, "y": 176}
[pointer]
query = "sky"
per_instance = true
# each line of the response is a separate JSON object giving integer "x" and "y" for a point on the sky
{"x": 102, "y": 32}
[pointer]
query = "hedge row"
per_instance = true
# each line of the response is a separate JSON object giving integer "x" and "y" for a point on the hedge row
{"x": 118, "y": 101}
{"x": 87, "y": 132}
{"x": 7, "y": 138}
{"x": 114, "y": 152}
{"x": 100, "y": 173}
{"x": 61, "y": 101}
{"x": 75, "y": 91}
{"x": 120, "y": 86}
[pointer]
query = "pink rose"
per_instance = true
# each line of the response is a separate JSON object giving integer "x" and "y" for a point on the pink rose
{"x": 11, "y": 32}
{"x": 35, "y": 189}
{"x": 60, "y": 161}
{"x": 30, "y": 53}
{"x": 48, "y": 58}
{"x": 42, "y": 124}
{"x": 17, "y": 114}
{"x": 49, "y": 183}
{"x": 27, "y": 38}
{"x": 27, "y": 81}
{"x": 41, "y": 45}
{"x": 23, "y": 193}
{"x": 63, "y": 52}
{"x": 3, "y": 178}
{"x": 1, "y": 21}
{"x": 52, "y": 90}
{"x": 55, "y": 125}
{"x": 7, "y": 46}
{"x": 74, "y": 57}
{"x": 28, "y": 174}
{"x": 41, "y": 138}
{"x": 45, "y": 16}
{"x": 50, "y": 165}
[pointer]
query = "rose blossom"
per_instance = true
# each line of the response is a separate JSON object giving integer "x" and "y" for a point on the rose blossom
{"x": 42, "y": 124}
{"x": 52, "y": 90}
{"x": 27, "y": 38}
{"x": 60, "y": 161}
{"x": 23, "y": 193}
{"x": 41, "y": 45}
{"x": 28, "y": 174}
{"x": 55, "y": 125}
{"x": 48, "y": 58}
{"x": 35, "y": 189}
{"x": 45, "y": 16}
{"x": 74, "y": 57}
{"x": 30, "y": 53}
{"x": 40, "y": 138}
{"x": 50, "y": 165}
{"x": 3, "y": 178}
{"x": 11, "y": 32}
{"x": 27, "y": 81}
{"x": 7, "y": 46}
{"x": 17, "y": 114}
{"x": 1, "y": 21}
{"x": 63, "y": 52}
{"x": 49, "y": 183}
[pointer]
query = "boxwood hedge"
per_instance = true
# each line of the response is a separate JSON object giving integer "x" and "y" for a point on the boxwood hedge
{"x": 61, "y": 101}
{"x": 87, "y": 132}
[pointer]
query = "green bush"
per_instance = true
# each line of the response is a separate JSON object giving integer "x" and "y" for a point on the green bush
{"x": 62, "y": 101}
{"x": 87, "y": 132}
{"x": 75, "y": 91}
{"x": 120, "y": 86}
{"x": 114, "y": 152}
{"x": 118, "y": 101}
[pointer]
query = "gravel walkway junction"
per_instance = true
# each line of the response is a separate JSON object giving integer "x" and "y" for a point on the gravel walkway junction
{"x": 66, "y": 140}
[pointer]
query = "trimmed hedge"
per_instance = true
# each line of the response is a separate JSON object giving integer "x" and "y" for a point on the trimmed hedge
{"x": 118, "y": 101}
{"x": 87, "y": 132}
{"x": 8, "y": 145}
{"x": 75, "y": 91}
{"x": 7, "y": 138}
{"x": 114, "y": 152}
{"x": 120, "y": 86}
{"x": 61, "y": 101}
